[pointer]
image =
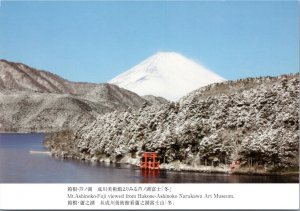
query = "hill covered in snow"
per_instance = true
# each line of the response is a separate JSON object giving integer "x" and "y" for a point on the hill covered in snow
{"x": 166, "y": 74}
{"x": 254, "y": 121}
{"x": 34, "y": 100}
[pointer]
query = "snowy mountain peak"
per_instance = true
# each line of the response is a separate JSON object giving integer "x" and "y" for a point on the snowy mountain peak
{"x": 166, "y": 74}
{"x": 160, "y": 56}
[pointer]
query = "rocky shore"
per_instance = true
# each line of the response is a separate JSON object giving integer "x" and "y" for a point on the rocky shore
{"x": 253, "y": 121}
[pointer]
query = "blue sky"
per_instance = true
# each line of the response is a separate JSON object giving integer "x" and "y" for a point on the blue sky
{"x": 95, "y": 41}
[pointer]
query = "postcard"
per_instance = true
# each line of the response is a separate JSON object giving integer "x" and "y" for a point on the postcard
{"x": 149, "y": 105}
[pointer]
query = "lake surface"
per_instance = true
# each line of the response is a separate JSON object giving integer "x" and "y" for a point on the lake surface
{"x": 18, "y": 165}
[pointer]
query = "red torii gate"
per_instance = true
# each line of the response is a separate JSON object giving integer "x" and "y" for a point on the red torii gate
{"x": 148, "y": 161}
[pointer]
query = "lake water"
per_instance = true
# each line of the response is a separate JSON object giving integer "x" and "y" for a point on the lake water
{"x": 17, "y": 165}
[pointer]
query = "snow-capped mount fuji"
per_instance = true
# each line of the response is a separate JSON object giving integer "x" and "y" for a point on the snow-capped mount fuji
{"x": 166, "y": 74}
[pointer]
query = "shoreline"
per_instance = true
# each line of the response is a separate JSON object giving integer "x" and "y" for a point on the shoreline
{"x": 28, "y": 132}
{"x": 175, "y": 166}
{"x": 23, "y": 132}
{"x": 187, "y": 168}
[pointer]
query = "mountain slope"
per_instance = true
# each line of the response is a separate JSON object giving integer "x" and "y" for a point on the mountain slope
{"x": 166, "y": 74}
{"x": 254, "y": 121}
{"x": 155, "y": 100}
{"x": 39, "y": 101}
{"x": 20, "y": 77}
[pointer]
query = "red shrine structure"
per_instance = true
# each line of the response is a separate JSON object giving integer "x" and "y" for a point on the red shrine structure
{"x": 149, "y": 161}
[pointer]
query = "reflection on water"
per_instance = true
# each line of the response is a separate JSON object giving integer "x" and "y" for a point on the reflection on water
{"x": 17, "y": 165}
